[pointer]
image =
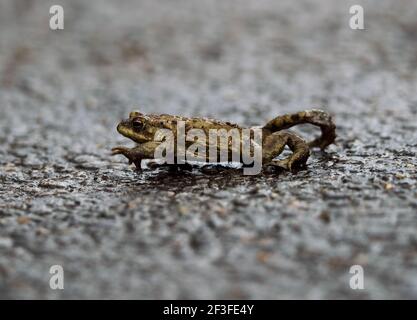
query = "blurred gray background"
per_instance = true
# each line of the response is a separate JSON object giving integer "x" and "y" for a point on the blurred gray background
{"x": 122, "y": 234}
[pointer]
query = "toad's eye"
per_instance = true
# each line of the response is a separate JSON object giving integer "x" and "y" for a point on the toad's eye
{"x": 137, "y": 124}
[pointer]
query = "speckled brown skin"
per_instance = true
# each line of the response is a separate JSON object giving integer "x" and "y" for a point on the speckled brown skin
{"x": 142, "y": 128}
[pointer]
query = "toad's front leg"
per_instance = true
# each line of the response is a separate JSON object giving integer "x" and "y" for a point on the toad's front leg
{"x": 137, "y": 154}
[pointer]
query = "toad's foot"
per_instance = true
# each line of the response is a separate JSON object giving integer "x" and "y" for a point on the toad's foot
{"x": 288, "y": 164}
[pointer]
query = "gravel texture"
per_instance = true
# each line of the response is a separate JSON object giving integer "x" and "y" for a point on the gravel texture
{"x": 157, "y": 234}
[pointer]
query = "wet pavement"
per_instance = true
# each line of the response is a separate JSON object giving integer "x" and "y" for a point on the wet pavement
{"x": 213, "y": 234}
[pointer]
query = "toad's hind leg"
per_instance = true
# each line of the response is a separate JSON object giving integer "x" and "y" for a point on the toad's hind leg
{"x": 316, "y": 117}
{"x": 274, "y": 144}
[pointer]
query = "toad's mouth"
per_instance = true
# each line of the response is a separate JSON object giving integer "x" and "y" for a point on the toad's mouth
{"x": 128, "y": 132}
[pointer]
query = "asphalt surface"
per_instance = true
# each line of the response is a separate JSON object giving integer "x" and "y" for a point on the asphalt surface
{"x": 219, "y": 234}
